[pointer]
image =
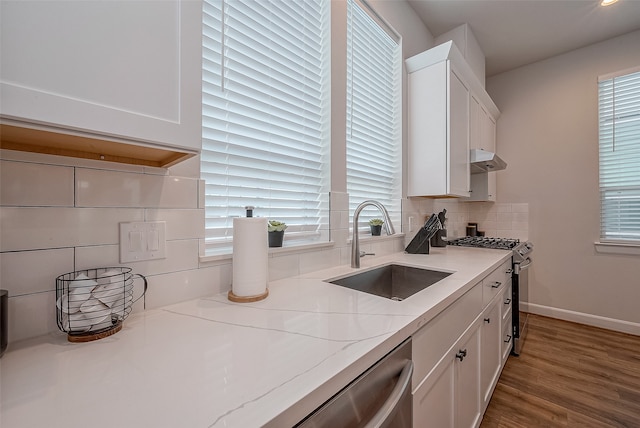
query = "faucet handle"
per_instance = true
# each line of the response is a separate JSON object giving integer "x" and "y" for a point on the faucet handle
{"x": 362, "y": 254}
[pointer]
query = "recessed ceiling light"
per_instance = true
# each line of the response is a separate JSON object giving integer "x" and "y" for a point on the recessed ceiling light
{"x": 607, "y": 2}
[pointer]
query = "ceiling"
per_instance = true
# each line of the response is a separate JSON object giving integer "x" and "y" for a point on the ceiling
{"x": 513, "y": 33}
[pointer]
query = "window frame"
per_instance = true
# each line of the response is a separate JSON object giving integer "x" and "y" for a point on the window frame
{"x": 607, "y": 122}
{"x": 297, "y": 234}
{"x": 393, "y": 201}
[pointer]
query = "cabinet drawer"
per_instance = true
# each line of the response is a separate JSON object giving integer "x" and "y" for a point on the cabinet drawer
{"x": 495, "y": 282}
{"x": 507, "y": 302}
{"x": 433, "y": 340}
{"x": 507, "y": 336}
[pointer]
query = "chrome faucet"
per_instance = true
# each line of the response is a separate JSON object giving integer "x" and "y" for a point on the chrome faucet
{"x": 355, "y": 241}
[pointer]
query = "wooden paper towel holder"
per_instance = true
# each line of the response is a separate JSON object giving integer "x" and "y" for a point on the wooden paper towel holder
{"x": 247, "y": 299}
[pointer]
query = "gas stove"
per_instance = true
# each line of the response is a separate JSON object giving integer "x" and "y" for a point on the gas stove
{"x": 486, "y": 242}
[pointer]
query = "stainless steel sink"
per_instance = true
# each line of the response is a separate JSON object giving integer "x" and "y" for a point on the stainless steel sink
{"x": 395, "y": 282}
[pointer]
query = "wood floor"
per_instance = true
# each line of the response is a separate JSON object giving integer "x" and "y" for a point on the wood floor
{"x": 569, "y": 375}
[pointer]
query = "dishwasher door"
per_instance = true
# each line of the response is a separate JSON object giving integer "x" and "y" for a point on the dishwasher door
{"x": 380, "y": 397}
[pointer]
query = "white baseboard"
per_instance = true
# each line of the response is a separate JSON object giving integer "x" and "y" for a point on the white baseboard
{"x": 582, "y": 318}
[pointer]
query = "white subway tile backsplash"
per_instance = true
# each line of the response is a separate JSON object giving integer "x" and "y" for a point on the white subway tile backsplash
{"x": 520, "y": 217}
{"x": 69, "y": 220}
{"x": 32, "y": 315}
{"x": 317, "y": 260}
{"x": 181, "y": 255}
{"x": 503, "y": 208}
{"x": 180, "y": 286}
{"x": 28, "y": 272}
{"x": 39, "y": 228}
{"x": 520, "y": 225}
{"x": 340, "y": 236}
{"x": 504, "y": 217}
{"x": 31, "y": 184}
{"x": 495, "y": 219}
{"x": 181, "y": 224}
{"x": 187, "y": 168}
{"x": 99, "y": 188}
{"x": 201, "y": 199}
{"x": 480, "y": 216}
{"x": 283, "y": 266}
{"x": 335, "y": 219}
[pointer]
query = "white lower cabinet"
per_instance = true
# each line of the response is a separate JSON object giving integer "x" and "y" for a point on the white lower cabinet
{"x": 458, "y": 355}
{"x": 491, "y": 349}
{"x": 450, "y": 395}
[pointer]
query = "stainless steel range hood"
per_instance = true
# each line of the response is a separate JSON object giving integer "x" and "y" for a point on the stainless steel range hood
{"x": 484, "y": 161}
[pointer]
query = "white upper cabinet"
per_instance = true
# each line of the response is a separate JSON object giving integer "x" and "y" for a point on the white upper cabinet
{"x": 482, "y": 127}
{"x": 482, "y": 136}
{"x": 117, "y": 71}
{"x": 449, "y": 112}
{"x": 438, "y": 151}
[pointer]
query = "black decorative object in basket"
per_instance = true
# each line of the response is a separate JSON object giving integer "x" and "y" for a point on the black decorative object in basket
{"x": 93, "y": 303}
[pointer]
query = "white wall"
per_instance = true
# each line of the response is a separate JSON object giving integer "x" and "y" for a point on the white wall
{"x": 548, "y": 134}
{"x": 59, "y": 215}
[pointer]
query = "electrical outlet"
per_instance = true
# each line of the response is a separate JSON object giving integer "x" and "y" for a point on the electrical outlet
{"x": 142, "y": 240}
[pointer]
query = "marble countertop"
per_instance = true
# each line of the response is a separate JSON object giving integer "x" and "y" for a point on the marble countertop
{"x": 210, "y": 362}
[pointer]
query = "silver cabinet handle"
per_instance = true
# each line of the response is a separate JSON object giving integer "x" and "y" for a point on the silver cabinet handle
{"x": 508, "y": 339}
{"x": 496, "y": 284}
{"x": 509, "y": 271}
{"x": 384, "y": 417}
{"x": 526, "y": 265}
{"x": 506, "y": 302}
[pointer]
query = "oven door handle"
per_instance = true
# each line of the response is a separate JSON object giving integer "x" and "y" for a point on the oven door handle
{"x": 384, "y": 416}
{"x": 525, "y": 265}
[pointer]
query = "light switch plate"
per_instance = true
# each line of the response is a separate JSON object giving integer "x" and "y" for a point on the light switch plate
{"x": 142, "y": 240}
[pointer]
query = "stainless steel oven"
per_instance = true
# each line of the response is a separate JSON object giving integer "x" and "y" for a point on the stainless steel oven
{"x": 520, "y": 293}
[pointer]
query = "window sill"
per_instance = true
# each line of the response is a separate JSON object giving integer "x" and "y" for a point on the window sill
{"x": 369, "y": 238}
{"x": 274, "y": 250}
{"x": 617, "y": 248}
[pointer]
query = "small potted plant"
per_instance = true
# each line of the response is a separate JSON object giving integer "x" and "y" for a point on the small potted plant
{"x": 276, "y": 233}
{"x": 376, "y": 226}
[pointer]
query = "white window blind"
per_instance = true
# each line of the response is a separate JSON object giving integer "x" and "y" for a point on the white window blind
{"x": 619, "y": 120}
{"x": 374, "y": 142}
{"x": 266, "y": 116}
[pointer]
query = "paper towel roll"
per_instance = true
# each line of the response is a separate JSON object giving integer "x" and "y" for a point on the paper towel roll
{"x": 250, "y": 257}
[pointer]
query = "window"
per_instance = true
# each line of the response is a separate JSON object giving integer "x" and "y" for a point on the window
{"x": 266, "y": 116}
{"x": 374, "y": 143}
{"x": 619, "y": 120}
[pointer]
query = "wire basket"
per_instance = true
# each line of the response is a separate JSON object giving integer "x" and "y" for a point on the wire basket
{"x": 93, "y": 303}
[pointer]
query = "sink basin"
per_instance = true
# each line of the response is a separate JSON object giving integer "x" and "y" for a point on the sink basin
{"x": 395, "y": 282}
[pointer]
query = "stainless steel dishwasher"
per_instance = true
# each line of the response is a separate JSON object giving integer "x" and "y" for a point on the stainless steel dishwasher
{"x": 380, "y": 397}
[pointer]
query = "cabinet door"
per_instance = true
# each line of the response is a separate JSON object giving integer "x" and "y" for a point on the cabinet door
{"x": 491, "y": 349}
{"x": 487, "y": 131}
{"x": 434, "y": 400}
{"x": 427, "y": 129}
{"x": 468, "y": 406}
{"x": 125, "y": 69}
{"x": 458, "y": 149}
{"x": 474, "y": 123}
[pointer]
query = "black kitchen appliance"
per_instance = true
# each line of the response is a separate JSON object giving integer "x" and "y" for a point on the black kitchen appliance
{"x": 520, "y": 260}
